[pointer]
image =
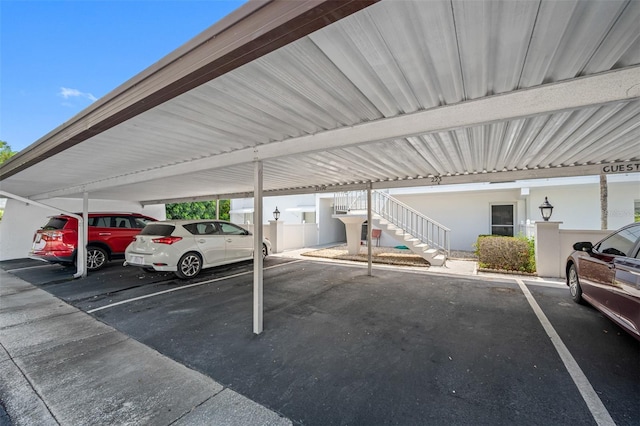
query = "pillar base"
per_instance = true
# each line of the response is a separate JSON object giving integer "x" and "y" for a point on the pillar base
{"x": 353, "y": 225}
{"x": 276, "y": 235}
{"x": 547, "y": 240}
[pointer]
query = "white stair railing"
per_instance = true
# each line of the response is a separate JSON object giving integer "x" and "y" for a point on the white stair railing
{"x": 344, "y": 202}
{"x": 412, "y": 222}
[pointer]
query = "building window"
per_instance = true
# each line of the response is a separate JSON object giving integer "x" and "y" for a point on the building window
{"x": 248, "y": 218}
{"x": 502, "y": 219}
{"x": 636, "y": 211}
{"x": 309, "y": 217}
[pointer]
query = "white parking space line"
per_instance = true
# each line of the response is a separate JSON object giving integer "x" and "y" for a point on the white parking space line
{"x": 550, "y": 284}
{"x": 184, "y": 287}
{"x": 597, "y": 408}
{"x": 46, "y": 265}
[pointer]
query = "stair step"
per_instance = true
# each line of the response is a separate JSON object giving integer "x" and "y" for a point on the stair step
{"x": 438, "y": 260}
{"x": 434, "y": 256}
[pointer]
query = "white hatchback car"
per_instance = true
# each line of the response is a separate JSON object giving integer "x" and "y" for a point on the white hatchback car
{"x": 188, "y": 246}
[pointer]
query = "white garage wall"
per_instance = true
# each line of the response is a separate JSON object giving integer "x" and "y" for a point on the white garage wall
{"x": 21, "y": 221}
{"x": 294, "y": 235}
{"x": 331, "y": 230}
{"x": 467, "y": 214}
{"x": 289, "y": 207}
{"x": 578, "y": 206}
{"x": 621, "y": 203}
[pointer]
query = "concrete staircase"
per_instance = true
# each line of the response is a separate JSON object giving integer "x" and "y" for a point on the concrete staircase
{"x": 409, "y": 227}
{"x": 432, "y": 255}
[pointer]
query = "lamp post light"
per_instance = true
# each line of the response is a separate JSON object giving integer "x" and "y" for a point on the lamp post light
{"x": 276, "y": 214}
{"x": 546, "y": 209}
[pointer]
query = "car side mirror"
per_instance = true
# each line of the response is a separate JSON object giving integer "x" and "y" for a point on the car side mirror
{"x": 583, "y": 246}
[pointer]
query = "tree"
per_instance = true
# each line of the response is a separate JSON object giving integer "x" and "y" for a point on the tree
{"x": 198, "y": 210}
{"x": 5, "y": 152}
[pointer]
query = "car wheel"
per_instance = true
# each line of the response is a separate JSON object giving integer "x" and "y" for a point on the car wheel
{"x": 264, "y": 251}
{"x": 189, "y": 266}
{"x": 96, "y": 258}
{"x": 574, "y": 284}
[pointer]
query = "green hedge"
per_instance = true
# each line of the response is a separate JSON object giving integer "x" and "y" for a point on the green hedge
{"x": 506, "y": 253}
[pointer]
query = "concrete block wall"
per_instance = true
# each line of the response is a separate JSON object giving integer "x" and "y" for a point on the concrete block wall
{"x": 295, "y": 235}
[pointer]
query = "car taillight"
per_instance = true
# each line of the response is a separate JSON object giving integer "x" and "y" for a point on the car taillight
{"x": 52, "y": 236}
{"x": 166, "y": 240}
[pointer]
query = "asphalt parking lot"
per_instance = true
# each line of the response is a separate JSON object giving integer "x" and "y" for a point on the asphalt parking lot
{"x": 401, "y": 347}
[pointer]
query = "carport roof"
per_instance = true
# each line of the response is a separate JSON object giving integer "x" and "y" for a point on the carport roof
{"x": 331, "y": 95}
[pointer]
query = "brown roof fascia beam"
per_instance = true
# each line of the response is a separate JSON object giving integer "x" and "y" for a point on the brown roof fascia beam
{"x": 254, "y": 30}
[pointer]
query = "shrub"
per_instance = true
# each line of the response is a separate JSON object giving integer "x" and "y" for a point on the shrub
{"x": 506, "y": 253}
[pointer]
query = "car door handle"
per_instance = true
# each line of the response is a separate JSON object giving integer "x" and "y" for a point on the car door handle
{"x": 229, "y": 240}
{"x": 201, "y": 240}
{"x": 103, "y": 234}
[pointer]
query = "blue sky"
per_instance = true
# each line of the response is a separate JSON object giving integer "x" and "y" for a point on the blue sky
{"x": 57, "y": 57}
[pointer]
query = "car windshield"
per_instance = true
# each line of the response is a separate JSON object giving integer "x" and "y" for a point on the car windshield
{"x": 158, "y": 229}
{"x": 55, "y": 223}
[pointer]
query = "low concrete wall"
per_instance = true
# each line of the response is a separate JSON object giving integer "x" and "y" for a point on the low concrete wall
{"x": 299, "y": 235}
{"x": 295, "y": 235}
{"x": 568, "y": 237}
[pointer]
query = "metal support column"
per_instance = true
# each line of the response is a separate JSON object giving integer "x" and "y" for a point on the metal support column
{"x": 82, "y": 248}
{"x": 258, "y": 307}
{"x": 369, "y": 227}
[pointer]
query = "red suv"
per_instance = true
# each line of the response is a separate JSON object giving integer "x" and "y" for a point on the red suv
{"x": 109, "y": 236}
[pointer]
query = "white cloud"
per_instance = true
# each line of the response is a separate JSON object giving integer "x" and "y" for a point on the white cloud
{"x": 67, "y": 93}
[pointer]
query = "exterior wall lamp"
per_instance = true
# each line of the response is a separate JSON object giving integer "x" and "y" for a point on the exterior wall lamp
{"x": 546, "y": 209}
{"x": 276, "y": 213}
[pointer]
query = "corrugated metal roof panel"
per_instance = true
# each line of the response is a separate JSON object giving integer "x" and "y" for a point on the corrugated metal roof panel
{"x": 390, "y": 59}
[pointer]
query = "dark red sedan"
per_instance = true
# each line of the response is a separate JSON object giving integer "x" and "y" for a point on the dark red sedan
{"x": 607, "y": 275}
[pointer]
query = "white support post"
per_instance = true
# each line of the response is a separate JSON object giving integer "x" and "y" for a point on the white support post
{"x": 218, "y": 208}
{"x": 83, "y": 229}
{"x": 258, "y": 306}
{"x": 369, "y": 226}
